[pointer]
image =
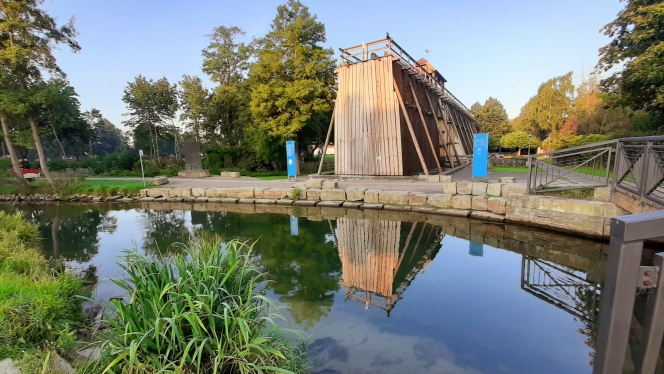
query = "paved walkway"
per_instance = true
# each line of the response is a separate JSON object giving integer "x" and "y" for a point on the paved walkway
{"x": 393, "y": 185}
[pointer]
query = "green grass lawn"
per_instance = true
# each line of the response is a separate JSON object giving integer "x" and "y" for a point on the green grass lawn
{"x": 510, "y": 169}
{"x": 271, "y": 177}
{"x": 130, "y": 185}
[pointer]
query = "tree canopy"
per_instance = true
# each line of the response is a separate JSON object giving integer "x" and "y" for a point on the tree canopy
{"x": 547, "y": 110}
{"x": 492, "y": 118}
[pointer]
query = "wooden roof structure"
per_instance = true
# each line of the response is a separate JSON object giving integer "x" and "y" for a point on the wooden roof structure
{"x": 393, "y": 115}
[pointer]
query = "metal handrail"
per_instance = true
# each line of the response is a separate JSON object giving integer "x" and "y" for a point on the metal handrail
{"x": 624, "y": 276}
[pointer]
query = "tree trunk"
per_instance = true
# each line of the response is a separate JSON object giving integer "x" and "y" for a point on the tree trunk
{"x": 55, "y": 226}
{"x": 40, "y": 150}
{"x": 12, "y": 153}
{"x": 62, "y": 150}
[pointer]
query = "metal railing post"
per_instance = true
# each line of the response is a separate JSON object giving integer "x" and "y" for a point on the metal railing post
{"x": 643, "y": 177}
{"x": 618, "y": 294}
{"x": 653, "y": 324}
{"x": 530, "y": 174}
{"x": 616, "y": 163}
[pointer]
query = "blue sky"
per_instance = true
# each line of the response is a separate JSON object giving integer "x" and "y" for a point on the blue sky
{"x": 504, "y": 49}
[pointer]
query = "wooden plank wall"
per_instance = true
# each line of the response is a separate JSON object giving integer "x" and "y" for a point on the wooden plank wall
{"x": 367, "y": 131}
{"x": 369, "y": 252}
{"x": 411, "y": 161}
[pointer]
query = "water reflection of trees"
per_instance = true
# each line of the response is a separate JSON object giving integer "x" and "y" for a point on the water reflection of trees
{"x": 305, "y": 268}
{"x": 70, "y": 232}
{"x": 162, "y": 230}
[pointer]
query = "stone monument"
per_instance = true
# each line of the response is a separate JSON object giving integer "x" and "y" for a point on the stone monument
{"x": 192, "y": 162}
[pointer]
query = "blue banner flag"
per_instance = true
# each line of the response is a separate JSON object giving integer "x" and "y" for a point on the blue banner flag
{"x": 480, "y": 155}
{"x": 290, "y": 158}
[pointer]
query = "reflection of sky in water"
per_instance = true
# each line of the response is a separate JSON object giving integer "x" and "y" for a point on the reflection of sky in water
{"x": 464, "y": 312}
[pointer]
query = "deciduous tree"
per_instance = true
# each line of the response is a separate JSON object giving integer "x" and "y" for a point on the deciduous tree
{"x": 548, "y": 110}
{"x": 194, "y": 99}
{"x": 492, "y": 118}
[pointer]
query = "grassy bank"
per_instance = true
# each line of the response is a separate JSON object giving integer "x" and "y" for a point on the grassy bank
{"x": 213, "y": 320}
{"x": 39, "y": 307}
{"x": 66, "y": 186}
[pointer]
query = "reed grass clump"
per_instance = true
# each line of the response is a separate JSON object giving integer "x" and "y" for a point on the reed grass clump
{"x": 201, "y": 311}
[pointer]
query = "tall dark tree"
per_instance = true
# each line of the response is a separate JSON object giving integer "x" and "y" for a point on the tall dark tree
{"x": 492, "y": 118}
{"x": 226, "y": 60}
{"x": 638, "y": 45}
{"x": 105, "y": 137}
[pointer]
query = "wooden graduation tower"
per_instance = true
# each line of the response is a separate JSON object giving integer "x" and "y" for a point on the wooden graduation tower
{"x": 394, "y": 116}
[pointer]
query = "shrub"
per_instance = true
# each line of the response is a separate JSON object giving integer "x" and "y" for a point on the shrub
{"x": 518, "y": 140}
{"x": 201, "y": 311}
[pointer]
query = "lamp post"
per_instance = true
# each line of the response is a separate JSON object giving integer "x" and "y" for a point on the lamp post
{"x": 529, "y": 133}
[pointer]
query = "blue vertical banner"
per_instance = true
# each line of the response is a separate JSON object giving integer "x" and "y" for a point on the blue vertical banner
{"x": 476, "y": 249}
{"x": 294, "y": 227}
{"x": 480, "y": 155}
{"x": 290, "y": 158}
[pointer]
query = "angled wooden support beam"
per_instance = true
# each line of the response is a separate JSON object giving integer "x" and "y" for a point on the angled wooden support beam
{"x": 426, "y": 130}
{"x": 327, "y": 141}
{"x": 447, "y": 134}
{"x": 410, "y": 129}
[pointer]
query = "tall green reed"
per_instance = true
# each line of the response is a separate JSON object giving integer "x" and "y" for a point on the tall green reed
{"x": 202, "y": 311}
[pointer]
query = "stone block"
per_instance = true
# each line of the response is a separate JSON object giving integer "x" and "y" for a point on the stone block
{"x": 450, "y": 188}
{"x": 214, "y": 200}
{"x": 423, "y": 209}
{"x": 330, "y": 203}
{"x": 479, "y": 203}
{"x": 197, "y": 192}
{"x": 494, "y": 189}
{"x": 422, "y": 177}
{"x": 275, "y": 193}
{"x": 433, "y": 178}
{"x": 393, "y": 197}
{"x": 446, "y": 178}
{"x": 330, "y": 184}
{"x": 145, "y": 199}
{"x": 193, "y": 173}
{"x": 333, "y": 194}
{"x": 417, "y": 199}
{"x": 284, "y": 202}
{"x": 464, "y": 188}
{"x": 173, "y": 192}
{"x": 371, "y": 196}
{"x": 201, "y": 199}
{"x": 209, "y": 192}
{"x": 507, "y": 179}
{"x": 224, "y": 174}
{"x": 602, "y": 193}
{"x": 497, "y": 205}
{"x": 241, "y": 192}
{"x": 355, "y": 193}
{"x": 313, "y": 193}
{"x": 234, "y": 174}
{"x": 314, "y": 183}
{"x": 487, "y": 216}
{"x": 513, "y": 188}
{"x": 479, "y": 188}
{"x": 265, "y": 201}
{"x": 185, "y": 192}
{"x": 143, "y": 193}
{"x": 351, "y": 204}
{"x": 229, "y": 200}
{"x": 461, "y": 201}
{"x": 304, "y": 202}
{"x": 440, "y": 200}
{"x": 221, "y": 192}
{"x": 158, "y": 181}
{"x": 372, "y": 206}
{"x": 246, "y": 200}
{"x": 452, "y": 212}
{"x": 154, "y": 192}
{"x": 258, "y": 192}
{"x": 398, "y": 208}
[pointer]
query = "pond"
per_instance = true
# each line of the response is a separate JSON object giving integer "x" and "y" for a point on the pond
{"x": 377, "y": 291}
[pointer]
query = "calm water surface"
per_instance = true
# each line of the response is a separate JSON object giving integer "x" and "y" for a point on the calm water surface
{"x": 389, "y": 294}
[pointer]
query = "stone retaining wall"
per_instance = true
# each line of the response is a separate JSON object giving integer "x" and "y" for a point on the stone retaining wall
{"x": 486, "y": 201}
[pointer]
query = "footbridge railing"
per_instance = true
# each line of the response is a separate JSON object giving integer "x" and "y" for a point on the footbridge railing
{"x": 634, "y": 165}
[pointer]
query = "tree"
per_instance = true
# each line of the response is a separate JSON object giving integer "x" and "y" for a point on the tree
{"x": 193, "y": 97}
{"x": 225, "y": 60}
{"x": 151, "y": 105}
{"x": 492, "y": 118}
{"x": 548, "y": 110}
{"x": 293, "y": 78}
{"x": 28, "y": 36}
{"x": 105, "y": 137}
{"x": 518, "y": 140}
{"x": 638, "y": 46}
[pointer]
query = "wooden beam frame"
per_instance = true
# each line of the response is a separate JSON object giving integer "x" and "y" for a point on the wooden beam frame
{"x": 327, "y": 141}
{"x": 436, "y": 154}
{"x": 410, "y": 129}
{"x": 447, "y": 134}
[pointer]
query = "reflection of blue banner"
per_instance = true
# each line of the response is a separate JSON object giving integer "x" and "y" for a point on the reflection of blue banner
{"x": 480, "y": 155}
{"x": 294, "y": 228}
{"x": 476, "y": 249}
{"x": 290, "y": 158}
